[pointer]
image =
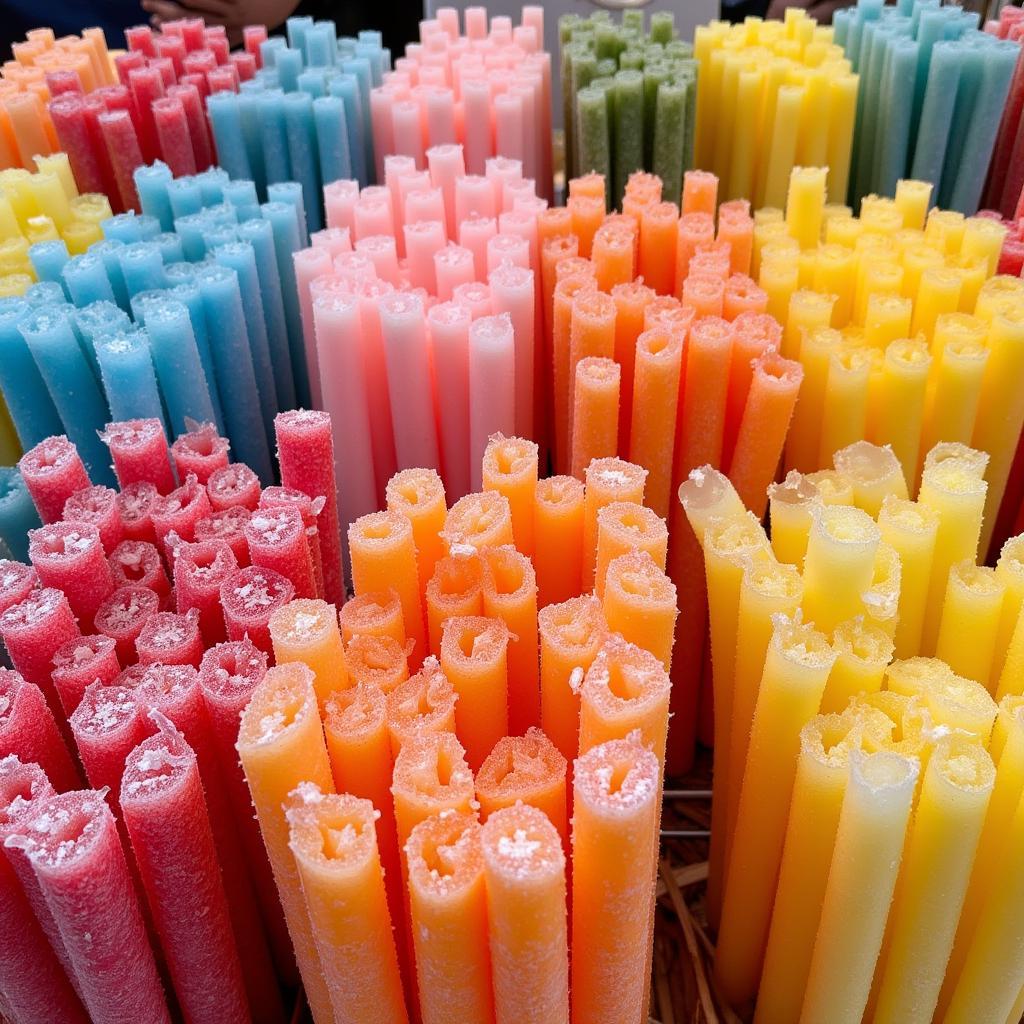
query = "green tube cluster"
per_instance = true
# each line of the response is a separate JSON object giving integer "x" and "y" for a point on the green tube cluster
{"x": 647, "y": 79}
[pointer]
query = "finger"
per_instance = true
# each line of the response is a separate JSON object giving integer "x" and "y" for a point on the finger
{"x": 163, "y": 10}
{"x": 220, "y": 8}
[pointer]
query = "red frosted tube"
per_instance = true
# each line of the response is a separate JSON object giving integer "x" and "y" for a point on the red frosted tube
{"x": 135, "y": 503}
{"x": 106, "y": 726}
{"x": 174, "y": 692}
{"x": 164, "y": 66}
{"x": 77, "y": 857}
{"x": 173, "y": 48}
{"x": 172, "y": 132}
{"x": 140, "y": 454}
{"x": 192, "y": 30}
{"x": 165, "y": 813}
{"x": 94, "y": 108}
{"x": 124, "y": 151}
{"x": 245, "y": 66}
{"x": 33, "y": 978}
{"x": 249, "y": 597}
{"x": 140, "y": 37}
{"x": 63, "y": 83}
{"x": 305, "y": 451}
{"x": 70, "y": 557}
{"x": 222, "y": 79}
{"x": 17, "y": 581}
{"x": 125, "y": 63}
{"x": 252, "y": 36}
{"x": 138, "y": 562}
{"x": 229, "y": 674}
{"x": 32, "y": 631}
{"x": 97, "y": 505}
{"x": 309, "y": 509}
{"x": 217, "y": 42}
{"x": 180, "y": 511}
{"x": 84, "y": 660}
{"x": 122, "y": 616}
{"x": 168, "y": 638}
{"x": 28, "y": 729}
{"x": 199, "y": 570}
{"x": 198, "y": 82}
{"x": 199, "y": 452}
{"x": 52, "y": 470}
{"x": 199, "y": 62}
{"x": 277, "y": 540}
{"x": 1011, "y": 257}
{"x": 233, "y": 485}
{"x": 228, "y": 526}
{"x": 191, "y": 99}
{"x": 67, "y": 112}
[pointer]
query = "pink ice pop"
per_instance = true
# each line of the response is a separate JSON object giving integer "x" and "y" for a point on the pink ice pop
{"x": 310, "y": 509}
{"x": 229, "y": 674}
{"x": 139, "y": 450}
{"x": 122, "y": 616}
{"x": 135, "y": 504}
{"x": 32, "y": 631}
{"x": 70, "y": 557}
{"x": 98, "y": 506}
{"x": 233, "y": 485}
{"x": 17, "y": 581}
{"x": 28, "y": 729}
{"x": 138, "y": 562}
{"x": 84, "y": 660}
{"x": 52, "y": 471}
{"x": 168, "y": 638}
{"x": 199, "y": 452}
{"x": 77, "y": 857}
{"x": 106, "y": 726}
{"x": 180, "y": 510}
{"x": 249, "y": 597}
{"x": 33, "y": 979}
{"x": 228, "y": 526}
{"x": 199, "y": 570}
{"x": 305, "y": 450}
{"x": 165, "y": 813}
{"x": 173, "y": 691}
{"x": 277, "y": 540}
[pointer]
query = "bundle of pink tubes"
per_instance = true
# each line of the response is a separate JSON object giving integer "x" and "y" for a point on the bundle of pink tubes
{"x": 137, "y": 636}
{"x": 435, "y": 249}
{"x": 489, "y": 89}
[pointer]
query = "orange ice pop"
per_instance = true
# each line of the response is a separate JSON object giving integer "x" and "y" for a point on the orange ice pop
{"x": 510, "y": 467}
{"x": 454, "y": 589}
{"x": 424, "y": 703}
{"x": 510, "y": 594}
{"x": 640, "y": 604}
{"x": 527, "y": 768}
{"x": 524, "y": 871}
{"x": 474, "y": 657}
{"x": 558, "y": 538}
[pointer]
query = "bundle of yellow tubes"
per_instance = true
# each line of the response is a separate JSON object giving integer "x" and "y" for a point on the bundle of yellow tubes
{"x": 43, "y": 206}
{"x": 773, "y": 95}
{"x": 868, "y": 811}
{"x": 905, "y": 335}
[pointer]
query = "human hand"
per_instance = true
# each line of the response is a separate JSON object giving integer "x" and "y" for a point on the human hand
{"x": 232, "y": 14}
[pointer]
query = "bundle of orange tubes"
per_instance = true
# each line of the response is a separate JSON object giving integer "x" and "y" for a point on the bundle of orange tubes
{"x": 473, "y": 745}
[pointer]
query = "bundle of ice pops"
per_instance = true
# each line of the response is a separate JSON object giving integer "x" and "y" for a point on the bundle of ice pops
{"x": 943, "y": 128}
{"x": 629, "y": 98}
{"x": 45, "y": 67}
{"x": 153, "y": 110}
{"x": 412, "y": 830}
{"x": 489, "y": 90}
{"x": 186, "y": 312}
{"x": 772, "y": 96}
{"x": 305, "y": 115}
{"x": 868, "y": 808}
{"x": 904, "y": 335}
